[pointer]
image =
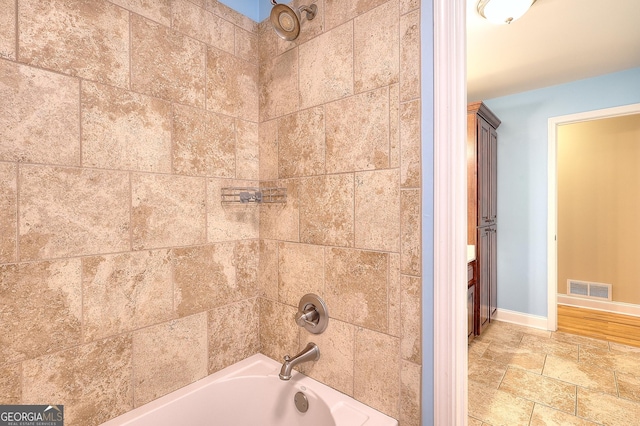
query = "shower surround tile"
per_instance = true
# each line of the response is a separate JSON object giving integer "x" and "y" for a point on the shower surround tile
{"x": 410, "y": 172}
{"x": 167, "y": 210}
{"x": 394, "y": 125}
{"x": 356, "y": 286}
{"x": 10, "y": 384}
{"x": 156, "y": 10}
{"x": 53, "y": 35}
{"x": 340, "y": 11}
{"x": 230, "y": 221}
{"x": 267, "y": 43}
{"x": 377, "y": 41}
{"x": 92, "y": 381}
{"x": 409, "y": 51}
{"x": 327, "y": 210}
{"x": 169, "y": 356}
{"x": 279, "y": 334}
{"x": 268, "y": 149}
{"x": 268, "y": 269}
{"x": 377, "y": 210}
{"x": 278, "y": 85}
{"x": 210, "y": 276}
{"x": 232, "y": 85}
{"x": 301, "y": 143}
{"x": 410, "y": 245}
{"x": 408, "y": 5}
{"x": 204, "y": 143}
{"x": 326, "y": 67}
{"x": 394, "y": 293}
{"x": 166, "y": 64}
{"x": 233, "y": 333}
{"x": 124, "y": 130}
{"x": 202, "y": 25}
{"x": 8, "y": 212}
{"x": 335, "y": 366}
{"x": 376, "y": 373}
{"x": 247, "y": 150}
{"x": 357, "y": 132}
{"x": 300, "y": 271}
{"x": 72, "y": 212}
{"x": 38, "y": 116}
{"x": 8, "y": 29}
{"x": 125, "y": 292}
{"x": 410, "y": 395}
{"x": 225, "y": 12}
{"x": 41, "y": 308}
{"x": 411, "y": 343}
{"x": 281, "y": 221}
{"x": 246, "y": 45}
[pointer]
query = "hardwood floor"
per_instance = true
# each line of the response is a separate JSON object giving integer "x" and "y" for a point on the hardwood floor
{"x": 617, "y": 328}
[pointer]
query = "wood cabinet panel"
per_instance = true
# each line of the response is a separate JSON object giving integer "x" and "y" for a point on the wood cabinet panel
{"x": 482, "y": 217}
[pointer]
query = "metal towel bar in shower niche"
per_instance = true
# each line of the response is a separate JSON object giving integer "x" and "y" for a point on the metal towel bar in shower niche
{"x": 246, "y": 195}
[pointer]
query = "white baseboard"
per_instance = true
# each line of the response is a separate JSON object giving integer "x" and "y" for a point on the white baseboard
{"x": 534, "y": 321}
{"x": 600, "y": 305}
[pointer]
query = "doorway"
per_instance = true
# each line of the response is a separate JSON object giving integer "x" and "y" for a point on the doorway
{"x": 552, "y": 220}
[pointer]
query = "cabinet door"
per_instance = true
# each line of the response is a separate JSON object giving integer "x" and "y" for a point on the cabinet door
{"x": 484, "y": 172}
{"x": 493, "y": 175}
{"x": 493, "y": 273}
{"x": 471, "y": 295}
{"x": 483, "y": 279}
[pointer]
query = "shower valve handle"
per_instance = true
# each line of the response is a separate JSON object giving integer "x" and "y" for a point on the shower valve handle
{"x": 313, "y": 314}
{"x": 308, "y": 316}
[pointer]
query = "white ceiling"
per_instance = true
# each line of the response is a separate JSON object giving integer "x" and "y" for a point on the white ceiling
{"x": 556, "y": 42}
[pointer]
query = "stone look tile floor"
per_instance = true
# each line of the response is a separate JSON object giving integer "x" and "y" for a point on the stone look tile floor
{"x": 523, "y": 376}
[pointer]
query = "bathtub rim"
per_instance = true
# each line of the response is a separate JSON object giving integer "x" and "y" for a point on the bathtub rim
{"x": 262, "y": 366}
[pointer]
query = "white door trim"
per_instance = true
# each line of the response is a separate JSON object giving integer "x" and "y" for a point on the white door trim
{"x": 450, "y": 213}
{"x": 552, "y": 203}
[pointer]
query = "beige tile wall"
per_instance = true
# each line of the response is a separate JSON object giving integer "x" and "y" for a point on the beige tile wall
{"x": 340, "y": 129}
{"x": 118, "y": 263}
{"x": 122, "y": 277}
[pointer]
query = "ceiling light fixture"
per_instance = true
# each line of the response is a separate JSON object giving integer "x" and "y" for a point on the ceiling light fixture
{"x": 503, "y": 11}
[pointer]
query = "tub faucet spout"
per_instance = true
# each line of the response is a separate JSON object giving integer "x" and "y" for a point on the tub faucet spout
{"x": 311, "y": 352}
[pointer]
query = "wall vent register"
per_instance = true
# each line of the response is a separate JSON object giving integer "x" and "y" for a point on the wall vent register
{"x": 588, "y": 289}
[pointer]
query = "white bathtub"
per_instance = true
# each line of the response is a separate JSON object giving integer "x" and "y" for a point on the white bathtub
{"x": 249, "y": 393}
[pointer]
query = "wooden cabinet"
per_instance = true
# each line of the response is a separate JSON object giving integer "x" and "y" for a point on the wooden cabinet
{"x": 471, "y": 301}
{"x": 482, "y": 218}
{"x": 487, "y": 173}
{"x": 487, "y": 283}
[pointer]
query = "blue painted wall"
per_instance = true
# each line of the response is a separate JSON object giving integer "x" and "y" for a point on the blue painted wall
{"x": 522, "y": 178}
{"x": 254, "y": 9}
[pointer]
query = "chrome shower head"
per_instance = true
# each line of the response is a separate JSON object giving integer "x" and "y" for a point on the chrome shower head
{"x": 286, "y": 21}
